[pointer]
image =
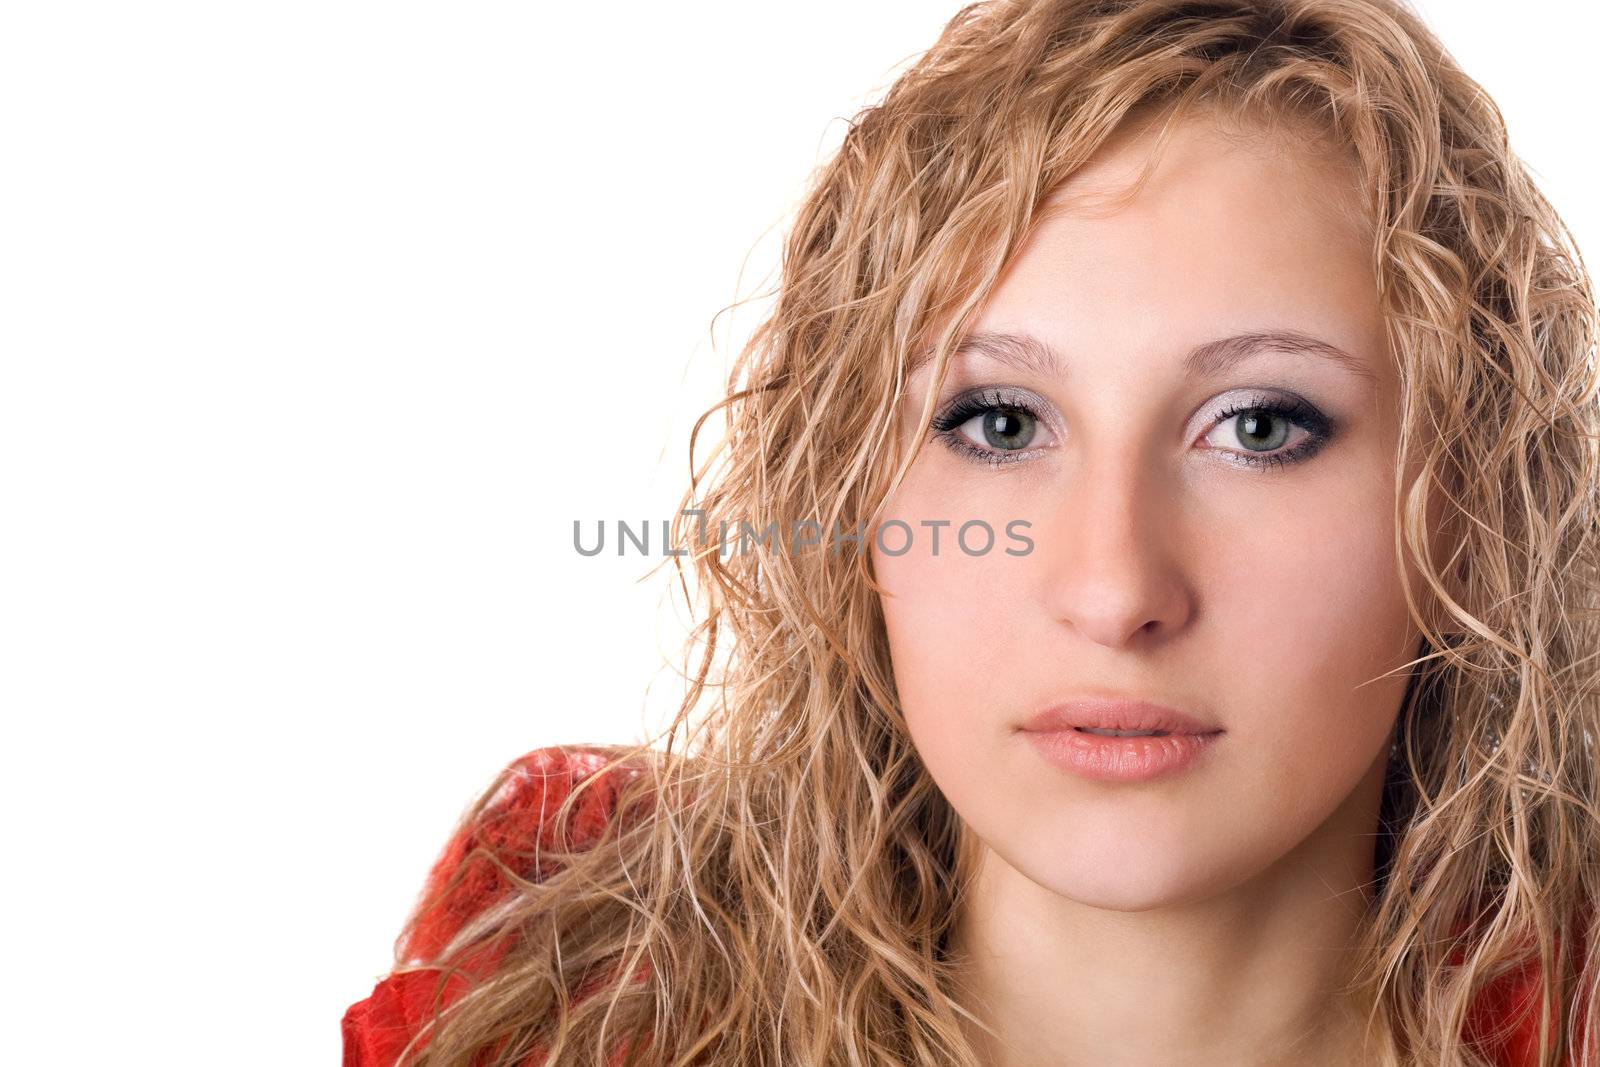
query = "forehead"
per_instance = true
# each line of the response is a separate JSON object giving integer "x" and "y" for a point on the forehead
{"x": 1212, "y": 149}
{"x": 1232, "y": 231}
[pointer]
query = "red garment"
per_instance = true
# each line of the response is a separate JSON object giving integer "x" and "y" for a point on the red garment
{"x": 376, "y": 1029}
{"x": 1503, "y": 1018}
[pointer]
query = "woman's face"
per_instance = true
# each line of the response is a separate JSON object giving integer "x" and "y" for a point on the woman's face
{"x": 1238, "y": 567}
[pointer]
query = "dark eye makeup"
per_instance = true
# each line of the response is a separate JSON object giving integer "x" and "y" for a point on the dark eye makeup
{"x": 1009, "y": 424}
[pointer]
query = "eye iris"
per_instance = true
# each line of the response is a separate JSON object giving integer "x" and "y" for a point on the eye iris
{"x": 1253, "y": 424}
{"x": 1007, "y": 428}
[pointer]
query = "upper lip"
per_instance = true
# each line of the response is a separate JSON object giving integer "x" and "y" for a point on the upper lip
{"x": 1116, "y": 714}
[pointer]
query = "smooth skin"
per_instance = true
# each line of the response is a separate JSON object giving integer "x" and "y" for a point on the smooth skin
{"x": 1205, "y": 917}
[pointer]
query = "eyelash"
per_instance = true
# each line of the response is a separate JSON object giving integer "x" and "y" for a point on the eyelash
{"x": 946, "y": 426}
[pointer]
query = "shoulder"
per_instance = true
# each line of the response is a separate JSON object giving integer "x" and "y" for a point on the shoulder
{"x": 1504, "y": 1016}
{"x": 505, "y": 837}
{"x": 509, "y": 831}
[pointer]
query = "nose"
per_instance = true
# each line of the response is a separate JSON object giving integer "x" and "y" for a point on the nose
{"x": 1112, "y": 556}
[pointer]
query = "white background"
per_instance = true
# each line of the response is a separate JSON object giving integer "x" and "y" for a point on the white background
{"x": 320, "y": 324}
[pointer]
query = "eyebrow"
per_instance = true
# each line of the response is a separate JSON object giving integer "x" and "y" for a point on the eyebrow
{"x": 1025, "y": 352}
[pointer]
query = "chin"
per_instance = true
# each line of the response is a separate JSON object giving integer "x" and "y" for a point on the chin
{"x": 1132, "y": 894}
{"x": 1116, "y": 877}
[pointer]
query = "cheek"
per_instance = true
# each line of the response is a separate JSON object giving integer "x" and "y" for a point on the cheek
{"x": 1314, "y": 633}
{"x": 967, "y": 650}
{"x": 957, "y": 617}
{"x": 949, "y": 616}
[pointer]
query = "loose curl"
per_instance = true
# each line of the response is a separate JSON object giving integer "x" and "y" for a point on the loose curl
{"x": 790, "y": 900}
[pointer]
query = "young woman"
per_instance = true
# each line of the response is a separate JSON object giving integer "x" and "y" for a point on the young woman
{"x": 1178, "y": 424}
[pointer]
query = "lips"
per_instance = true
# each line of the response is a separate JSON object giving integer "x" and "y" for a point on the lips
{"x": 1089, "y": 713}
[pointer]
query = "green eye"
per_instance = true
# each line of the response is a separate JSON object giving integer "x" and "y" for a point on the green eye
{"x": 1007, "y": 429}
{"x": 1263, "y": 431}
{"x": 992, "y": 424}
{"x": 1255, "y": 430}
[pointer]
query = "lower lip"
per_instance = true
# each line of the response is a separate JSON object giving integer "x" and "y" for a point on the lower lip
{"x": 1121, "y": 759}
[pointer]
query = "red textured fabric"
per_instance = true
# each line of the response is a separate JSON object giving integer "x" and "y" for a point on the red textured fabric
{"x": 378, "y": 1028}
{"x": 519, "y": 817}
{"x": 1503, "y": 1020}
